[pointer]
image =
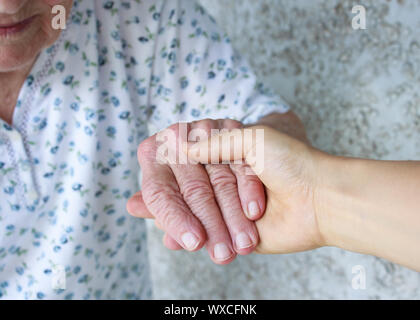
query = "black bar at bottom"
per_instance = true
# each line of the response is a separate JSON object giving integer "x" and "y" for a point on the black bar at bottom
{"x": 210, "y": 309}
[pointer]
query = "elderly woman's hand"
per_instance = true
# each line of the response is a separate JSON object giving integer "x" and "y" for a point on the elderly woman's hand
{"x": 199, "y": 205}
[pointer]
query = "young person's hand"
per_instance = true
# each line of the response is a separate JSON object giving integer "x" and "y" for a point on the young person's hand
{"x": 315, "y": 199}
{"x": 290, "y": 175}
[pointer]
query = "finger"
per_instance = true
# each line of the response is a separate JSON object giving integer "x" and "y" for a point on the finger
{"x": 137, "y": 208}
{"x": 242, "y": 231}
{"x": 250, "y": 188}
{"x": 224, "y": 183}
{"x": 162, "y": 197}
{"x": 251, "y": 191}
{"x": 219, "y": 148}
{"x": 198, "y": 193}
{"x": 170, "y": 243}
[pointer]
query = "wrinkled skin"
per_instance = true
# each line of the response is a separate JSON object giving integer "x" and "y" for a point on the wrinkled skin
{"x": 19, "y": 50}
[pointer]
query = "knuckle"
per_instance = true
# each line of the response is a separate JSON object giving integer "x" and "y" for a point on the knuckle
{"x": 178, "y": 131}
{"x": 243, "y": 171}
{"x": 170, "y": 221}
{"x": 206, "y": 125}
{"x": 196, "y": 190}
{"x": 221, "y": 179}
{"x": 231, "y": 124}
{"x": 153, "y": 191}
{"x": 157, "y": 194}
{"x": 214, "y": 229}
{"x": 232, "y": 213}
{"x": 226, "y": 190}
{"x": 165, "y": 217}
{"x": 238, "y": 169}
{"x": 146, "y": 149}
{"x": 252, "y": 181}
{"x": 175, "y": 128}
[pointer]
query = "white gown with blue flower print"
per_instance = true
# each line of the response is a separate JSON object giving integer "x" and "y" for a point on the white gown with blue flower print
{"x": 68, "y": 163}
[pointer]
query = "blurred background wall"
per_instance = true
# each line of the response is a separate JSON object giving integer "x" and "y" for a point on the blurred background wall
{"x": 358, "y": 93}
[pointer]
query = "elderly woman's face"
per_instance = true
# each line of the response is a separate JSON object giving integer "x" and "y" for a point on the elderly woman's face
{"x": 26, "y": 29}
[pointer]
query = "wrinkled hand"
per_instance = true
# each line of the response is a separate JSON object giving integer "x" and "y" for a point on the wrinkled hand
{"x": 198, "y": 204}
{"x": 289, "y": 173}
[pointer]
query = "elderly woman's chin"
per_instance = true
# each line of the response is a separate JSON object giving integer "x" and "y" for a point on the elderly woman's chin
{"x": 21, "y": 43}
{"x": 25, "y": 30}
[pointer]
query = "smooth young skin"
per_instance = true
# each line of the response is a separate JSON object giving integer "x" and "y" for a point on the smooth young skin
{"x": 20, "y": 48}
{"x": 315, "y": 199}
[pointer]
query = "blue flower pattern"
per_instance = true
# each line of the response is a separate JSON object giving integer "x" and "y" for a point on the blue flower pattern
{"x": 119, "y": 72}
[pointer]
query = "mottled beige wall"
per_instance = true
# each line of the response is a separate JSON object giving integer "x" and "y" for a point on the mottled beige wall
{"x": 358, "y": 94}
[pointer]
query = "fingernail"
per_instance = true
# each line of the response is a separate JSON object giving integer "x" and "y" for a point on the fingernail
{"x": 243, "y": 241}
{"x": 190, "y": 241}
{"x": 222, "y": 252}
{"x": 253, "y": 209}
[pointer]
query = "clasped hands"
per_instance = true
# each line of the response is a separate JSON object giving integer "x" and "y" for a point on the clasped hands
{"x": 223, "y": 207}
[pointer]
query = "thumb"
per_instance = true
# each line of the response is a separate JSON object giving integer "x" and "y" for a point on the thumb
{"x": 231, "y": 146}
